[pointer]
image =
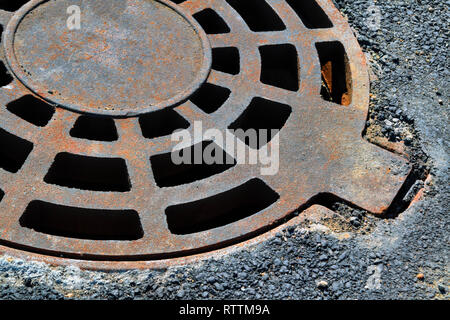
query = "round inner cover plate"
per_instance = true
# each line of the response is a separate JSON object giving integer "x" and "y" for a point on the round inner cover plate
{"x": 128, "y": 56}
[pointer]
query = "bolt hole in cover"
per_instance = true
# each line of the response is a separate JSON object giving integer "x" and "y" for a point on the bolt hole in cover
{"x": 86, "y": 116}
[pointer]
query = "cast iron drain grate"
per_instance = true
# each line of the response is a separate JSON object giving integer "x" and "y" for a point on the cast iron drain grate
{"x": 85, "y": 167}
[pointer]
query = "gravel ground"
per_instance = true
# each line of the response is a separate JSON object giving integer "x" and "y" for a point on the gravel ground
{"x": 379, "y": 258}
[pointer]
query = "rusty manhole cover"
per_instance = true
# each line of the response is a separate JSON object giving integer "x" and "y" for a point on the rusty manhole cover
{"x": 86, "y": 118}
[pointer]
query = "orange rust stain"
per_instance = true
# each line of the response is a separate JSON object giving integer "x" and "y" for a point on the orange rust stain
{"x": 327, "y": 74}
{"x": 417, "y": 198}
{"x": 345, "y": 100}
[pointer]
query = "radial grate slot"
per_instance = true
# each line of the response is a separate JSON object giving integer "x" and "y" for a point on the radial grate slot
{"x": 311, "y": 14}
{"x": 162, "y": 123}
{"x": 211, "y": 22}
{"x": 226, "y": 59}
{"x": 32, "y": 110}
{"x": 2, "y": 194}
{"x": 12, "y": 5}
{"x": 95, "y": 128}
{"x": 260, "y": 114}
{"x": 190, "y": 164}
{"x": 5, "y": 77}
{"x": 280, "y": 66}
{"x": 222, "y": 209}
{"x": 335, "y": 69}
{"x": 81, "y": 223}
{"x": 177, "y": 1}
{"x": 210, "y": 97}
{"x": 258, "y": 15}
{"x": 89, "y": 173}
{"x": 13, "y": 151}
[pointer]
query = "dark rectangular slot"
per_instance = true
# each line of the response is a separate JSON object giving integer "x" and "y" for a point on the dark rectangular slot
{"x": 258, "y": 15}
{"x": 311, "y": 14}
{"x": 81, "y": 223}
{"x": 5, "y": 77}
{"x": 210, "y": 97}
{"x": 169, "y": 174}
{"x": 162, "y": 123}
{"x": 211, "y": 22}
{"x": 279, "y": 66}
{"x": 226, "y": 60}
{"x": 335, "y": 69}
{"x": 13, "y": 151}
{"x": 89, "y": 173}
{"x": 12, "y": 5}
{"x": 31, "y": 109}
{"x": 261, "y": 114}
{"x": 221, "y": 209}
{"x": 94, "y": 128}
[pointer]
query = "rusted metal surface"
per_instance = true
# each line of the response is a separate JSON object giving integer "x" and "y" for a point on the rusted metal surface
{"x": 321, "y": 145}
{"x": 314, "y": 214}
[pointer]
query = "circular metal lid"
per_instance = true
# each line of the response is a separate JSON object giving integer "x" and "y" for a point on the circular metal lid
{"x": 99, "y": 184}
{"x": 126, "y": 58}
